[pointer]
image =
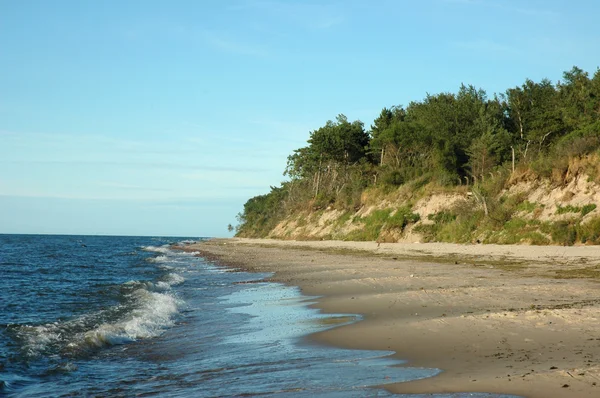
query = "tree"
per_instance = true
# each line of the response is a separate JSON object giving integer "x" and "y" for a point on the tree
{"x": 482, "y": 154}
{"x": 337, "y": 144}
{"x": 578, "y": 103}
{"x": 534, "y": 107}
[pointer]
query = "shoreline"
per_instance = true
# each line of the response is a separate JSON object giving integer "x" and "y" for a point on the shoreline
{"x": 494, "y": 319}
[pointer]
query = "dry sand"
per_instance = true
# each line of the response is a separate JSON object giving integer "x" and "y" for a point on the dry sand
{"x": 517, "y": 320}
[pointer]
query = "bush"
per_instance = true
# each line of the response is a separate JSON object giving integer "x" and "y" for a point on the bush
{"x": 588, "y": 209}
{"x": 442, "y": 217}
{"x": 402, "y": 217}
{"x": 394, "y": 178}
{"x": 515, "y": 225}
{"x": 590, "y": 231}
{"x": 562, "y": 232}
{"x": 567, "y": 209}
{"x": 429, "y": 232}
{"x": 372, "y": 225}
{"x": 580, "y": 142}
{"x": 461, "y": 229}
{"x": 576, "y": 209}
{"x": 536, "y": 238}
{"x": 526, "y": 206}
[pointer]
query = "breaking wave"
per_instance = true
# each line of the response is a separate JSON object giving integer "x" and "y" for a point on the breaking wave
{"x": 158, "y": 249}
{"x": 146, "y": 310}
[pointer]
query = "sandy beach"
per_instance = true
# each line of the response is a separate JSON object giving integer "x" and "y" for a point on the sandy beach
{"x": 519, "y": 320}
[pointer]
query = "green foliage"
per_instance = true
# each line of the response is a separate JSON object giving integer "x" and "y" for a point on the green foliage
{"x": 380, "y": 221}
{"x": 588, "y": 209}
{"x": 401, "y": 218}
{"x": 515, "y": 224}
{"x": 461, "y": 230}
{"x": 442, "y": 217}
{"x": 526, "y": 206}
{"x": 339, "y": 142}
{"x": 371, "y": 226}
{"x": 446, "y": 139}
{"x": 567, "y": 209}
{"x": 562, "y": 232}
{"x": 576, "y": 209}
{"x": 261, "y": 213}
{"x": 457, "y": 226}
{"x": 589, "y": 232}
{"x": 582, "y": 141}
{"x": 394, "y": 177}
{"x": 535, "y": 238}
{"x": 344, "y": 218}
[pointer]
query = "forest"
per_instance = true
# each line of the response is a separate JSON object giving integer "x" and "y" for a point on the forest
{"x": 467, "y": 138}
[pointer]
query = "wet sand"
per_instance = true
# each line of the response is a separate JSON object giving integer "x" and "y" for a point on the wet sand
{"x": 517, "y": 320}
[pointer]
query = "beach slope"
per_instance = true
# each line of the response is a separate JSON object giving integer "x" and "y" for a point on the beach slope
{"x": 517, "y": 320}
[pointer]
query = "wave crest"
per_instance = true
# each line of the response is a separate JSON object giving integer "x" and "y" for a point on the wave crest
{"x": 146, "y": 313}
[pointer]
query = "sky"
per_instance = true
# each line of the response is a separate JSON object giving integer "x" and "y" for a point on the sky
{"x": 164, "y": 117}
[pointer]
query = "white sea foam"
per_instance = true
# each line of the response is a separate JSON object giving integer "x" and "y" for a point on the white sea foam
{"x": 37, "y": 338}
{"x": 154, "y": 314}
{"x": 188, "y": 253}
{"x": 152, "y": 310}
{"x": 148, "y": 309}
{"x": 162, "y": 286}
{"x": 159, "y": 249}
{"x": 158, "y": 259}
{"x": 171, "y": 279}
{"x": 175, "y": 279}
{"x": 187, "y": 242}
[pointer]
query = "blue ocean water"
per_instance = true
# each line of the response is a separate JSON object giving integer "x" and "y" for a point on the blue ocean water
{"x": 128, "y": 316}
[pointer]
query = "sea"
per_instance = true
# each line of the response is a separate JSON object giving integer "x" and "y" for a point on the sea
{"x": 117, "y": 316}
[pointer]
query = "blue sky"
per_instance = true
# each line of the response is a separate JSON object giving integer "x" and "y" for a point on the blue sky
{"x": 164, "y": 117}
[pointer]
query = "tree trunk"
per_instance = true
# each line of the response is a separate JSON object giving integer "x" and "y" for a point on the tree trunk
{"x": 520, "y": 124}
{"x": 526, "y": 149}
{"x": 512, "y": 149}
{"x": 319, "y": 176}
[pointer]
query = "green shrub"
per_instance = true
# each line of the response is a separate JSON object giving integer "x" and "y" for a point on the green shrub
{"x": 421, "y": 181}
{"x": 526, "y": 206}
{"x": 580, "y": 142}
{"x": 588, "y": 208}
{"x": 462, "y": 229}
{"x": 428, "y": 232}
{"x": 380, "y": 220}
{"x": 515, "y": 225}
{"x": 344, "y": 218}
{"x": 562, "y": 232}
{"x": 448, "y": 179}
{"x": 590, "y": 231}
{"x": 402, "y": 217}
{"x": 394, "y": 177}
{"x": 567, "y": 209}
{"x": 536, "y": 238}
{"x": 442, "y": 217}
{"x": 372, "y": 225}
{"x": 576, "y": 209}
